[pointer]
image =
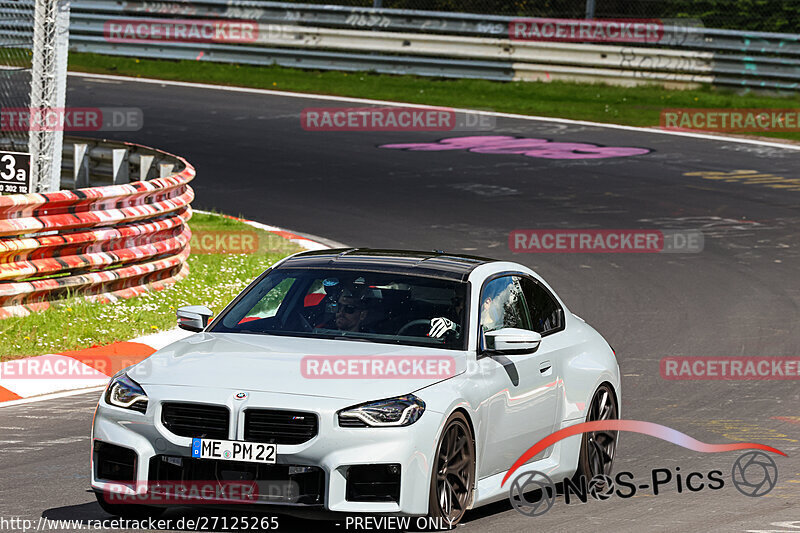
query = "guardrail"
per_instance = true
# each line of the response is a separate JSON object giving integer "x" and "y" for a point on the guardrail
{"x": 104, "y": 242}
{"x": 445, "y": 44}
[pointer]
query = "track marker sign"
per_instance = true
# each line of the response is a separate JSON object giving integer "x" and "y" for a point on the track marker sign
{"x": 15, "y": 173}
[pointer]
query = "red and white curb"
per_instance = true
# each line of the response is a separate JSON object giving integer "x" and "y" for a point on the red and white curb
{"x": 307, "y": 243}
{"x": 57, "y": 375}
{"x": 87, "y": 369}
{"x": 301, "y": 241}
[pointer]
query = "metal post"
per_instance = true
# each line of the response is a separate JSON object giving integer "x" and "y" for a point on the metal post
{"x": 42, "y": 92}
{"x": 165, "y": 169}
{"x": 80, "y": 166}
{"x": 145, "y": 162}
{"x": 590, "y": 9}
{"x": 60, "y": 75}
{"x": 48, "y": 91}
{"x": 377, "y": 3}
{"x": 119, "y": 166}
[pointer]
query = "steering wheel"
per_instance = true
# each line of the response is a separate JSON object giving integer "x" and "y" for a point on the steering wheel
{"x": 306, "y": 325}
{"x": 416, "y": 322}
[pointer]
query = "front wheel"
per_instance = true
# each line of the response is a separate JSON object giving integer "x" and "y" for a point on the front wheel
{"x": 598, "y": 447}
{"x": 453, "y": 475}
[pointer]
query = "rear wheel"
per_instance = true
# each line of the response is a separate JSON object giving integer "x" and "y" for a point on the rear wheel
{"x": 453, "y": 476}
{"x": 598, "y": 447}
{"x": 128, "y": 511}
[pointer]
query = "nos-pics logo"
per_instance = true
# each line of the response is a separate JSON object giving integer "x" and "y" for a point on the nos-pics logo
{"x": 534, "y": 493}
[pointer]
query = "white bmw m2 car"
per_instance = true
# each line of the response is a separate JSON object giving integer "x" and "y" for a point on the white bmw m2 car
{"x": 361, "y": 381}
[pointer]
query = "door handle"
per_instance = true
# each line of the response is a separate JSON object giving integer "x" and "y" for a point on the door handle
{"x": 546, "y": 368}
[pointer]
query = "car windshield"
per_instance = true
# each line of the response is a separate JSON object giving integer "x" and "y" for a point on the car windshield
{"x": 334, "y": 303}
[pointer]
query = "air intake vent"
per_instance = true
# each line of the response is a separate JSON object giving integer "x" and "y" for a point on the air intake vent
{"x": 279, "y": 427}
{"x": 350, "y": 422}
{"x": 114, "y": 463}
{"x": 196, "y": 420}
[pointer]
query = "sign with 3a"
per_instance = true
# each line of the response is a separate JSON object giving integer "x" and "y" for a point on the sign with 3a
{"x": 15, "y": 173}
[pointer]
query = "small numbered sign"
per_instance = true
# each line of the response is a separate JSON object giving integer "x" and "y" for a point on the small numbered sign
{"x": 15, "y": 173}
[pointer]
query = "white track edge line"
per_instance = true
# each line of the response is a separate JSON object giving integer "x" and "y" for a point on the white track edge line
{"x": 53, "y": 396}
{"x": 312, "y": 96}
{"x": 317, "y": 244}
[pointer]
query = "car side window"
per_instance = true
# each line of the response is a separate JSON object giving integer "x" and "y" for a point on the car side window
{"x": 503, "y": 305}
{"x": 546, "y": 315}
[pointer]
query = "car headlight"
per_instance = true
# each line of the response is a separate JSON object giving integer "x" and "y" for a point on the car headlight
{"x": 126, "y": 393}
{"x": 400, "y": 411}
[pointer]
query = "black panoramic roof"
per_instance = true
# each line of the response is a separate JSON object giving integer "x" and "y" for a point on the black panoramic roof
{"x": 431, "y": 264}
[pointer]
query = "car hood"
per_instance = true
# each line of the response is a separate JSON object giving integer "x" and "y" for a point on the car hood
{"x": 268, "y": 363}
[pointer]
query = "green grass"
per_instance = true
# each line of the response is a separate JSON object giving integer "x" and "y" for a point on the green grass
{"x": 214, "y": 280}
{"x": 634, "y": 106}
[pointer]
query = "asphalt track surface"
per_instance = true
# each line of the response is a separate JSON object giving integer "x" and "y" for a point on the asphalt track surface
{"x": 739, "y": 296}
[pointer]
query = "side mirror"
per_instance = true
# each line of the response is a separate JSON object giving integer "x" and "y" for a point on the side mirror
{"x": 194, "y": 317}
{"x": 510, "y": 341}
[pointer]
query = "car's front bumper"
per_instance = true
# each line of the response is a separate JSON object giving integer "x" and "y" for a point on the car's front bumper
{"x": 334, "y": 449}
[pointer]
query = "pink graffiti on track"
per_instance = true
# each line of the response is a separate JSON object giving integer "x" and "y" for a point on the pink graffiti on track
{"x": 503, "y": 144}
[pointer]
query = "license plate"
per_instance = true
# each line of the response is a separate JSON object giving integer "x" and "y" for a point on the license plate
{"x": 229, "y": 450}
